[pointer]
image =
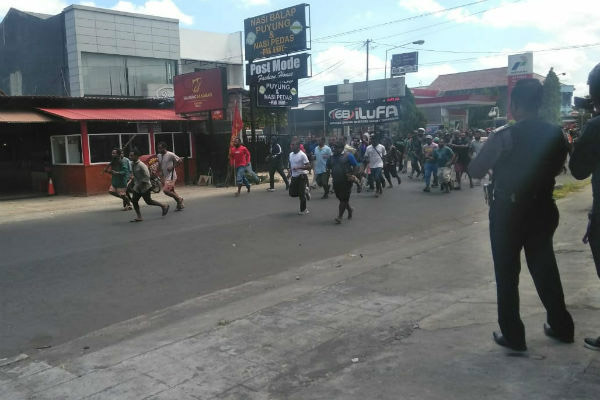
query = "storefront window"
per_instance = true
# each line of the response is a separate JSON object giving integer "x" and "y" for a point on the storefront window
{"x": 66, "y": 149}
{"x": 177, "y": 142}
{"x": 102, "y": 145}
{"x": 115, "y": 75}
{"x": 139, "y": 141}
{"x": 59, "y": 150}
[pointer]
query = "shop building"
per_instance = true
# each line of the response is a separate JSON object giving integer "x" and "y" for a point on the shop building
{"x": 86, "y": 80}
{"x": 70, "y": 140}
{"x": 87, "y": 51}
{"x": 462, "y": 99}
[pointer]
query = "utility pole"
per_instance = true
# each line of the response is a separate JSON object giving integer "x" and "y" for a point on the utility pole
{"x": 367, "y": 44}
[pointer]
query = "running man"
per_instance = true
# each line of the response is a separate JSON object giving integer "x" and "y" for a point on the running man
{"x": 475, "y": 148}
{"x": 322, "y": 153}
{"x": 430, "y": 164}
{"x": 167, "y": 162}
{"x": 142, "y": 186}
{"x": 444, "y": 157}
{"x": 342, "y": 166}
{"x": 299, "y": 167}
{"x": 374, "y": 158}
{"x": 415, "y": 153}
{"x": 276, "y": 165}
{"x": 461, "y": 147}
{"x": 392, "y": 159}
{"x": 120, "y": 171}
{"x": 239, "y": 157}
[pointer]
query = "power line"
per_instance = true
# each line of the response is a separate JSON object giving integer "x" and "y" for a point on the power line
{"x": 334, "y": 66}
{"x": 446, "y": 22}
{"x": 399, "y": 20}
{"x": 493, "y": 53}
{"x": 506, "y": 53}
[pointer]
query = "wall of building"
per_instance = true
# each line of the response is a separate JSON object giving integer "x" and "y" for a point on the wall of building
{"x": 32, "y": 55}
{"x": 93, "y": 30}
{"x": 204, "y": 50}
{"x": 70, "y": 179}
{"x": 433, "y": 115}
{"x": 211, "y": 46}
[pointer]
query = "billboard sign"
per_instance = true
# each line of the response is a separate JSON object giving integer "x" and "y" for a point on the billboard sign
{"x": 199, "y": 91}
{"x": 278, "y": 94}
{"x": 404, "y": 63}
{"x": 363, "y": 112}
{"x": 520, "y": 64}
{"x": 276, "y": 33}
{"x": 282, "y": 68}
{"x": 374, "y": 89}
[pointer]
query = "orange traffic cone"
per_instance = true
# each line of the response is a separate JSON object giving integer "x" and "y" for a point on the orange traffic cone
{"x": 51, "y": 187}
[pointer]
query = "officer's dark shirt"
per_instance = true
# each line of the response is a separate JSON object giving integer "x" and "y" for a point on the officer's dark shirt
{"x": 525, "y": 159}
{"x": 585, "y": 159}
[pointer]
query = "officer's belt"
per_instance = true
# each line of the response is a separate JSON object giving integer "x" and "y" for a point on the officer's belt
{"x": 513, "y": 197}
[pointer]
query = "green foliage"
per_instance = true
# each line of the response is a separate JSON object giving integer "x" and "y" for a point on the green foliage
{"x": 550, "y": 110}
{"x": 479, "y": 118}
{"x": 411, "y": 117}
{"x": 264, "y": 116}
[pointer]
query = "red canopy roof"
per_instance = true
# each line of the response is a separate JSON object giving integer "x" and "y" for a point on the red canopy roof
{"x": 114, "y": 114}
{"x": 460, "y": 100}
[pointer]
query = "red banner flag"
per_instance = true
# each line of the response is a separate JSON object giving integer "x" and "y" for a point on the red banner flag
{"x": 237, "y": 125}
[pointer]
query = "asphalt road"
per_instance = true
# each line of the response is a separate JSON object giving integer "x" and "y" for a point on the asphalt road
{"x": 64, "y": 277}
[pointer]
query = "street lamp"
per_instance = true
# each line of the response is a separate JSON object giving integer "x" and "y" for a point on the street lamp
{"x": 419, "y": 42}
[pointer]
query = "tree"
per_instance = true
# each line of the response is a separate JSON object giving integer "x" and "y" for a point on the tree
{"x": 411, "y": 118}
{"x": 265, "y": 116}
{"x": 550, "y": 110}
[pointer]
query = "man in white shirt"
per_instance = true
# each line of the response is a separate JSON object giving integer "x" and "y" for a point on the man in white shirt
{"x": 374, "y": 158}
{"x": 321, "y": 154}
{"x": 168, "y": 162}
{"x": 299, "y": 167}
{"x": 475, "y": 149}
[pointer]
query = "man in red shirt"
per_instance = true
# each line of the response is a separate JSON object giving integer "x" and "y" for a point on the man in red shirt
{"x": 239, "y": 157}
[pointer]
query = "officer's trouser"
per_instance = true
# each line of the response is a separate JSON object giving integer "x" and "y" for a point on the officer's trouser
{"x": 514, "y": 226}
{"x": 594, "y": 237}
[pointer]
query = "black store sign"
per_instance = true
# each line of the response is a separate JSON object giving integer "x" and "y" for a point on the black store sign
{"x": 283, "y": 68}
{"x": 278, "y": 94}
{"x": 276, "y": 33}
{"x": 405, "y": 62}
{"x": 363, "y": 112}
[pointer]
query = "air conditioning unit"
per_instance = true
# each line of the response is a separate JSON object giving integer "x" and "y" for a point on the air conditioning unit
{"x": 159, "y": 90}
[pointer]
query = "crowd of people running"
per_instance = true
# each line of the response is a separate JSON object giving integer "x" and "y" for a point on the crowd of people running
{"x": 365, "y": 162}
{"x": 131, "y": 179}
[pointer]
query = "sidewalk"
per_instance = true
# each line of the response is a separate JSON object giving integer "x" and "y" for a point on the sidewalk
{"x": 52, "y": 206}
{"x": 409, "y": 319}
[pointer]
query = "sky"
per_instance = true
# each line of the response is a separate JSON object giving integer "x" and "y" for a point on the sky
{"x": 473, "y": 34}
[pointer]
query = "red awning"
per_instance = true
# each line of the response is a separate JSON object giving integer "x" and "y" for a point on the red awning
{"x": 459, "y": 100}
{"x": 114, "y": 114}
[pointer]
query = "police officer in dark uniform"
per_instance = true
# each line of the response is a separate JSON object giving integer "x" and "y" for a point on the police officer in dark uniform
{"x": 585, "y": 161}
{"x": 525, "y": 158}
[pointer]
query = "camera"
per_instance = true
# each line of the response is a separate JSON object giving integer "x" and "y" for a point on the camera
{"x": 584, "y": 104}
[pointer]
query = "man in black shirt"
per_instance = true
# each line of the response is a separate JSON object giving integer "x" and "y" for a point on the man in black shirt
{"x": 276, "y": 165}
{"x": 585, "y": 161}
{"x": 525, "y": 159}
{"x": 342, "y": 166}
{"x": 460, "y": 146}
{"x": 415, "y": 153}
